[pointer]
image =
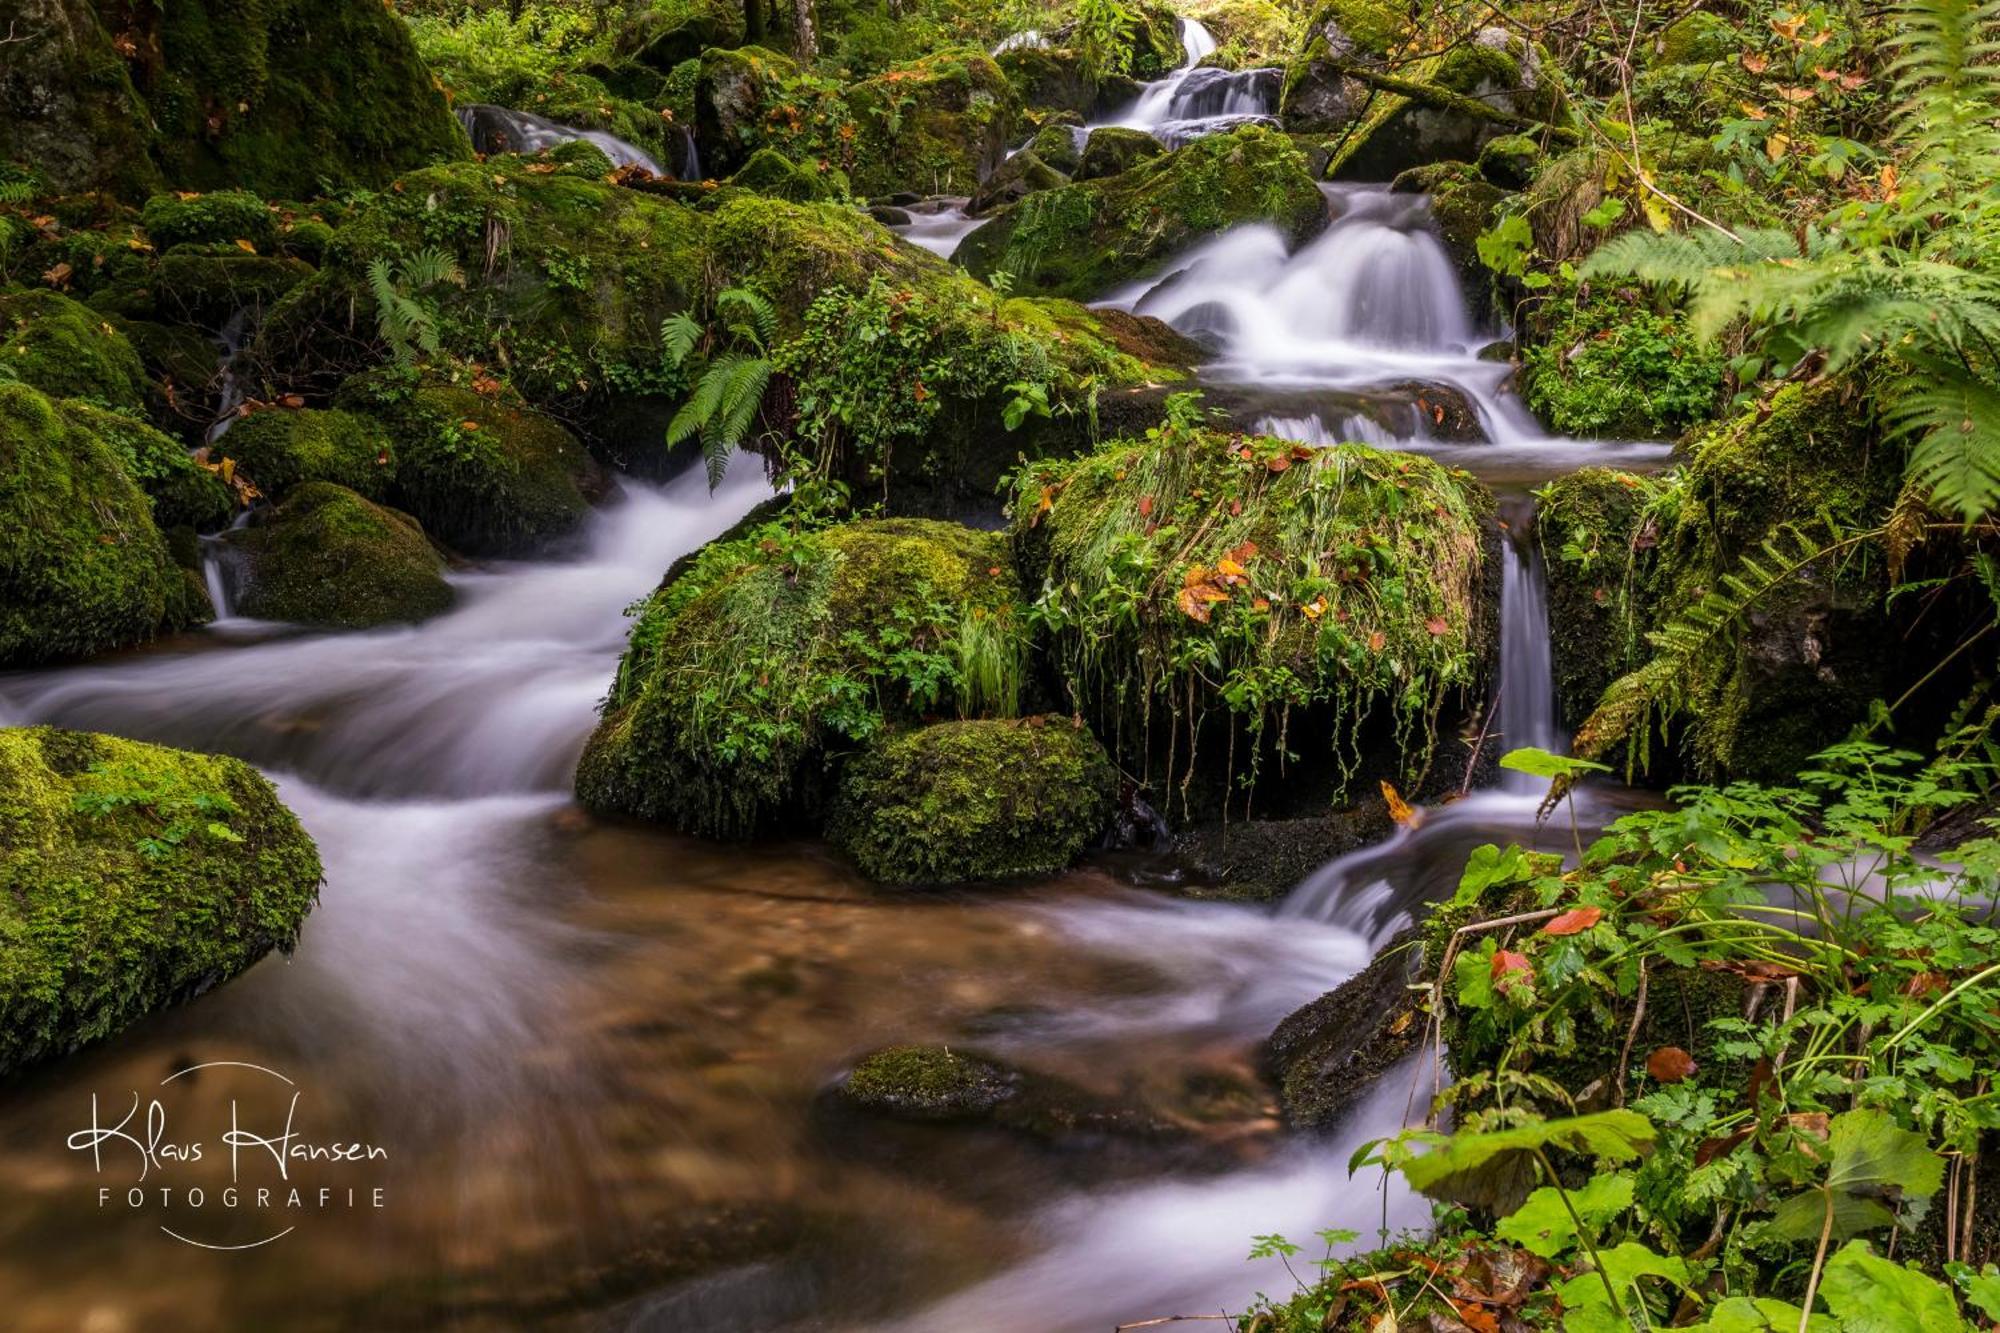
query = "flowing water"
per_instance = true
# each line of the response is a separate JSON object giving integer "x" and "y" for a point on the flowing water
{"x": 593, "y": 1054}
{"x": 1194, "y": 101}
{"x": 496, "y": 129}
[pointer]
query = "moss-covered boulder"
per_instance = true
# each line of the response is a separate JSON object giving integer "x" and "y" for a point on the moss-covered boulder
{"x": 1052, "y": 79}
{"x": 1020, "y": 176}
{"x": 926, "y": 1083}
{"x": 280, "y": 448}
{"x": 220, "y": 217}
{"x": 968, "y": 801}
{"x": 1085, "y": 238}
{"x": 1448, "y": 108}
{"x": 132, "y": 877}
{"x": 1326, "y": 1056}
{"x": 1321, "y": 93}
{"x": 67, "y": 103}
{"x": 207, "y": 285}
{"x": 183, "y": 492}
{"x": 1112, "y": 150}
{"x": 288, "y": 96}
{"x": 1510, "y": 161}
{"x": 484, "y": 474}
{"x": 1225, "y": 605}
{"x": 1059, "y": 143}
{"x": 68, "y": 350}
{"x": 664, "y": 33}
{"x": 751, "y": 670}
{"x": 1248, "y": 33}
{"x": 1597, "y": 544}
{"x": 939, "y": 125}
{"x": 330, "y": 559}
{"x": 83, "y": 568}
{"x": 770, "y": 172}
{"x": 732, "y": 94}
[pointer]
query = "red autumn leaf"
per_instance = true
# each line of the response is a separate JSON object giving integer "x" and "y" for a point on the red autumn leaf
{"x": 1145, "y": 506}
{"x": 1437, "y": 625}
{"x": 1670, "y": 1064}
{"x": 1506, "y": 962}
{"x": 1244, "y": 553}
{"x": 1279, "y": 462}
{"x": 1377, "y": 641}
{"x": 1574, "y": 922}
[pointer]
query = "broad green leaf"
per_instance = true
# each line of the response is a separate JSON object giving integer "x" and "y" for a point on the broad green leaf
{"x": 1869, "y": 1294}
{"x": 1488, "y": 866}
{"x": 1624, "y": 1265}
{"x": 1609, "y": 1136}
{"x": 1542, "y": 764}
{"x": 1982, "y": 1290}
{"x": 1742, "y": 1314}
{"x": 1802, "y": 1216}
{"x": 1871, "y": 1152}
{"x": 1543, "y": 1226}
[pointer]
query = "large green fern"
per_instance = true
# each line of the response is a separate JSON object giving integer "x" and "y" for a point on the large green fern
{"x": 405, "y": 318}
{"x": 1912, "y": 283}
{"x": 729, "y": 388}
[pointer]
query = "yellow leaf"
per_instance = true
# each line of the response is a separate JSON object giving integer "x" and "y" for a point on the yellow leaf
{"x": 1776, "y": 146}
{"x": 1399, "y": 809}
{"x": 245, "y": 246}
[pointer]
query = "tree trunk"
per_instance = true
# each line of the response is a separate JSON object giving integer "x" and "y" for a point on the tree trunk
{"x": 803, "y": 33}
{"x": 753, "y": 22}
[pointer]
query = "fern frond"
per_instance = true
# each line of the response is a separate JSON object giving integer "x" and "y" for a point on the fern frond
{"x": 678, "y": 336}
{"x": 748, "y": 377}
{"x": 755, "y": 319}
{"x": 1952, "y": 416}
{"x": 432, "y": 267}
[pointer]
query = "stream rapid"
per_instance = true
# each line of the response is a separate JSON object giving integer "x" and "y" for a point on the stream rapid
{"x": 594, "y": 1053}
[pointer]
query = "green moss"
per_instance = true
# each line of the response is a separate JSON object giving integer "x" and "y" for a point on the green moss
{"x": 967, "y": 801}
{"x": 1249, "y": 33}
{"x": 771, "y": 172}
{"x": 665, "y": 33}
{"x": 207, "y": 285}
{"x": 1359, "y": 29}
{"x": 581, "y": 157}
{"x": 221, "y": 217}
{"x": 1018, "y": 177}
{"x": 183, "y": 492}
{"x": 1598, "y": 551}
{"x": 1050, "y": 78}
{"x": 1609, "y": 364}
{"x": 1287, "y": 592}
{"x": 283, "y": 448}
{"x": 68, "y": 350}
{"x": 733, "y": 94}
{"x": 938, "y": 125}
{"x": 926, "y": 1083}
{"x": 83, "y": 568}
{"x": 70, "y": 107}
{"x": 484, "y": 475}
{"x": 286, "y": 97}
{"x": 747, "y": 673}
{"x": 1083, "y": 239}
{"x": 1055, "y": 144}
{"x": 1698, "y": 38}
{"x": 328, "y": 558}
{"x": 1112, "y": 150}
{"x": 1510, "y": 160}
{"x": 131, "y": 877}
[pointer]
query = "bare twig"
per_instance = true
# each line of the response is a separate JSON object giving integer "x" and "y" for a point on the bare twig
{"x": 1632, "y": 1033}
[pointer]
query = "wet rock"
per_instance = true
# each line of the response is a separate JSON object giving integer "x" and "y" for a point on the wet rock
{"x": 960, "y": 802}
{"x": 730, "y": 97}
{"x": 1022, "y": 175}
{"x": 1112, "y": 150}
{"x": 279, "y": 448}
{"x": 1442, "y": 412}
{"x": 1452, "y": 107}
{"x": 954, "y": 115}
{"x": 330, "y": 559}
{"x": 1261, "y": 860}
{"x": 1060, "y": 143}
{"x": 206, "y": 285}
{"x": 78, "y": 960}
{"x": 83, "y": 567}
{"x": 1320, "y": 93}
{"x": 927, "y": 1083}
{"x": 1326, "y": 1056}
{"x": 889, "y": 215}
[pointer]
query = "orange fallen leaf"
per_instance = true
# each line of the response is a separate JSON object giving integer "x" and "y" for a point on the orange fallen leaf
{"x": 245, "y": 246}
{"x": 1400, "y": 810}
{"x": 1670, "y": 1064}
{"x": 1574, "y": 922}
{"x": 1437, "y": 625}
{"x": 1145, "y": 506}
{"x": 1377, "y": 641}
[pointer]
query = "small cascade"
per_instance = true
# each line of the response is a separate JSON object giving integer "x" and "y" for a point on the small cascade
{"x": 1526, "y": 714}
{"x": 1192, "y": 101}
{"x": 686, "y": 155}
{"x": 496, "y": 129}
{"x": 1028, "y": 39}
{"x": 229, "y": 341}
{"x": 221, "y": 569}
{"x": 938, "y": 225}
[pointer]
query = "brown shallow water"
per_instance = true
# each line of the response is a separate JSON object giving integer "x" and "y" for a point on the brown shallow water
{"x": 590, "y": 1058}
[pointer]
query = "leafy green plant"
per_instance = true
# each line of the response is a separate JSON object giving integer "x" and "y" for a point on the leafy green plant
{"x": 405, "y": 317}
{"x": 733, "y": 368}
{"x": 179, "y": 810}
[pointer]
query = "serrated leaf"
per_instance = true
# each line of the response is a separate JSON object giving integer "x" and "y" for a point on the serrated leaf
{"x": 1869, "y": 1294}
{"x": 1543, "y": 1225}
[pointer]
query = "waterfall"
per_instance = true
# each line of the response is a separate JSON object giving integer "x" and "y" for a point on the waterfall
{"x": 1526, "y": 715}
{"x": 1192, "y": 102}
{"x": 496, "y": 129}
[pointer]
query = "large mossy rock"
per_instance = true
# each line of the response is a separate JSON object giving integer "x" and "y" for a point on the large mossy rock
{"x": 1321, "y": 93}
{"x": 1020, "y": 176}
{"x": 67, "y": 104}
{"x": 1597, "y": 547}
{"x": 734, "y": 91}
{"x": 939, "y": 125}
{"x": 133, "y": 876}
{"x": 1327, "y": 1055}
{"x": 67, "y": 350}
{"x": 283, "y": 97}
{"x": 1113, "y": 150}
{"x": 1447, "y": 109}
{"x": 83, "y": 568}
{"x": 183, "y": 492}
{"x": 220, "y": 217}
{"x": 330, "y": 559}
{"x": 1086, "y": 237}
{"x": 1049, "y": 78}
{"x": 281, "y": 448}
{"x": 753, "y": 667}
{"x": 483, "y": 474}
{"x": 663, "y": 33}
{"x": 1208, "y": 594}
{"x": 959, "y": 802}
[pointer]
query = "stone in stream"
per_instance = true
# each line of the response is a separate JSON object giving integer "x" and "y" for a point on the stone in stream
{"x": 83, "y": 567}
{"x": 330, "y": 559}
{"x": 184, "y": 493}
{"x": 1326, "y": 1056}
{"x": 1112, "y": 150}
{"x": 1020, "y": 176}
{"x": 67, "y": 350}
{"x": 279, "y": 448}
{"x": 132, "y": 877}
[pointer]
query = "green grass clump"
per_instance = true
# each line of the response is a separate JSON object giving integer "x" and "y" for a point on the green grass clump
{"x": 132, "y": 876}
{"x": 966, "y": 801}
{"x": 747, "y": 674}
{"x": 1198, "y": 573}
